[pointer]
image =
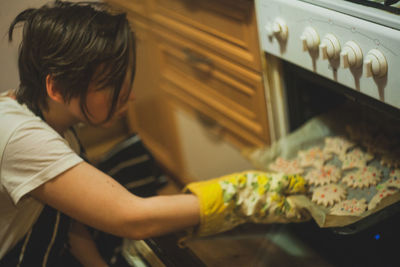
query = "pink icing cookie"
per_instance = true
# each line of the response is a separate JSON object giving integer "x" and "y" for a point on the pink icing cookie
{"x": 286, "y": 166}
{"x": 337, "y": 145}
{"x": 325, "y": 175}
{"x": 328, "y": 194}
{"x": 363, "y": 177}
{"x": 381, "y": 194}
{"x": 313, "y": 157}
{"x": 349, "y": 207}
{"x": 356, "y": 158}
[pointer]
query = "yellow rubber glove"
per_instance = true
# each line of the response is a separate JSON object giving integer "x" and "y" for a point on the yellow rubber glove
{"x": 251, "y": 196}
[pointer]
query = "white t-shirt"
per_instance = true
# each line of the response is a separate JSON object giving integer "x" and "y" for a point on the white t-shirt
{"x": 31, "y": 153}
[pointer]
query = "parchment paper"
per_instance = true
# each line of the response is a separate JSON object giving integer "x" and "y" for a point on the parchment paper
{"x": 311, "y": 134}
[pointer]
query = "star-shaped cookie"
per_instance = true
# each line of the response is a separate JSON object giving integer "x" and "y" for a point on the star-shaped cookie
{"x": 313, "y": 157}
{"x": 363, "y": 177}
{"x": 349, "y": 207}
{"x": 324, "y": 175}
{"x": 329, "y": 194}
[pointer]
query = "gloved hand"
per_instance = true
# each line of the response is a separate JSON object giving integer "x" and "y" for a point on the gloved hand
{"x": 251, "y": 196}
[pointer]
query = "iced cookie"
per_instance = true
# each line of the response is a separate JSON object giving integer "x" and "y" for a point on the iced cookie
{"x": 363, "y": 177}
{"x": 313, "y": 157}
{"x": 337, "y": 145}
{"x": 286, "y": 166}
{"x": 349, "y": 207}
{"x": 356, "y": 158}
{"x": 325, "y": 175}
{"x": 394, "y": 179}
{"x": 328, "y": 194}
{"x": 381, "y": 194}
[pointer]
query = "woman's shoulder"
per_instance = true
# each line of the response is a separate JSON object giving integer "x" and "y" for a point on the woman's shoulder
{"x": 17, "y": 118}
{"x": 10, "y": 93}
{"x": 12, "y": 112}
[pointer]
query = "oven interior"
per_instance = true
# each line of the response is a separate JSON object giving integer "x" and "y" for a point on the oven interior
{"x": 309, "y": 95}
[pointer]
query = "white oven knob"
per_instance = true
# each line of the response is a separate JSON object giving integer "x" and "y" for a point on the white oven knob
{"x": 351, "y": 55}
{"x": 309, "y": 39}
{"x": 278, "y": 29}
{"x": 375, "y": 64}
{"x": 330, "y": 47}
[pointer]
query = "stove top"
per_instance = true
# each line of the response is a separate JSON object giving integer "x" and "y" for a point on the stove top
{"x": 392, "y": 6}
{"x": 383, "y": 12}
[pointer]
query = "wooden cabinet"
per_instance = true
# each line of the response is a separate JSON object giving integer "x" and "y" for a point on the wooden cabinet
{"x": 201, "y": 57}
{"x": 149, "y": 114}
{"x": 227, "y": 27}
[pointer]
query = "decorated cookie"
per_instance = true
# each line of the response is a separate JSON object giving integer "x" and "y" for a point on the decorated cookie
{"x": 325, "y": 175}
{"x": 381, "y": 194}
{"x": 313, "y": 157}
{"x": 286, "y": 166}
{"x": 337, "y": 145}
{"x": 356, "y": 158}
{"x": 329, "y": 194}
{"x": 363, "y": 177}
{"x": 349, "y": 207}
{"x": 394, "y": 179}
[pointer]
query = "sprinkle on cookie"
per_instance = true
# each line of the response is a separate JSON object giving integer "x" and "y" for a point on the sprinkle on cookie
{"x": 363, "y": 177}
{"x": 328, "y": 195}
{"x": 349, "y": 207}
{"x": 325, "y": 175}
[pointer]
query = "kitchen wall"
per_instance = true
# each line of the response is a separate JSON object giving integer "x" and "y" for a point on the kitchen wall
{"x": 9, "y": 52}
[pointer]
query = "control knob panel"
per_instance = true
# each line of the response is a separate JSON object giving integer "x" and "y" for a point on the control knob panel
{"x": 360, "y": 54}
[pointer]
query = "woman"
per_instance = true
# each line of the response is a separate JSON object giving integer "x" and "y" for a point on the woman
{"x": 77, "y": 64}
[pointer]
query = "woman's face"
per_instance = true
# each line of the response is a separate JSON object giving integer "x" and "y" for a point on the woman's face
{"x": 99, "y": 103}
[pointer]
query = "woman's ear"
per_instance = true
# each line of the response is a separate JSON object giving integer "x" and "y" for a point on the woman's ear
{"x": 52, "y": 91}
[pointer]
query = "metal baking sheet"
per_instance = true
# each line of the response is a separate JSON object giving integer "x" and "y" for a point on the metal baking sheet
{"x": 312, "y": 134}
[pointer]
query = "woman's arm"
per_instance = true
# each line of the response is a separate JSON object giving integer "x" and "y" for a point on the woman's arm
{"x": 83, "y": 247}
{"x": 95, "y": 199}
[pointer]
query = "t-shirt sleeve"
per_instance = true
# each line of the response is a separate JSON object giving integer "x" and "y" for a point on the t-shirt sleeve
{"x": 34, "y": 155}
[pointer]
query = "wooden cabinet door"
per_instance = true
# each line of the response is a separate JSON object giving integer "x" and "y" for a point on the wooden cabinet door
{"x": 149, "y": 114}
{"x": 227, "y": 27}
{"x": 130, "y": 6}
{"x": 227, "y": 92}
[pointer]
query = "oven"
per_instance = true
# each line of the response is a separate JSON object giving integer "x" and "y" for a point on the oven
{"x": 321, "y": 55}
{"x": 353, "y": 44}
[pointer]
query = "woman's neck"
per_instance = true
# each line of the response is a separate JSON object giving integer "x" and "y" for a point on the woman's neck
{"x": 58, "y": 117}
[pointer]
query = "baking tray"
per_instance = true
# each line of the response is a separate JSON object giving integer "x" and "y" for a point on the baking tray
{"x": 313, "y": 134}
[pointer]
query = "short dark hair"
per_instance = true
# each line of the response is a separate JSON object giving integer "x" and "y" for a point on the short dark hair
{"x": 76, "y": 43}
